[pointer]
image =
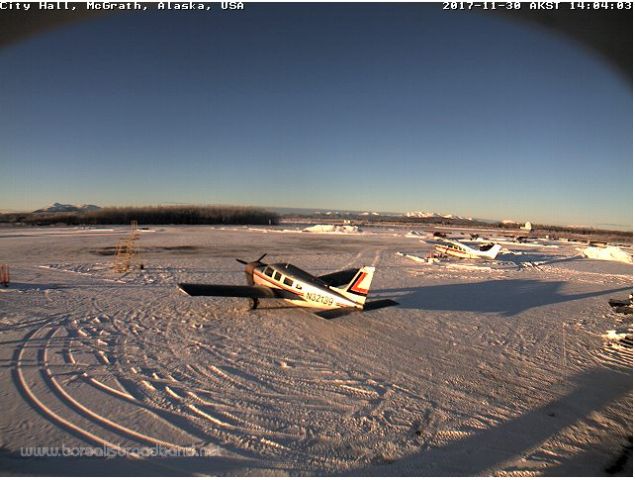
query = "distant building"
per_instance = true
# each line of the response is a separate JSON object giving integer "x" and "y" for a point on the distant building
{"x": 527, "y": 226}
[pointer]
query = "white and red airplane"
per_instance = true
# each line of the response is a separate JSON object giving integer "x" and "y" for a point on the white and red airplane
{"x": 335, "y": 294}
{"x": 461, "y": 250}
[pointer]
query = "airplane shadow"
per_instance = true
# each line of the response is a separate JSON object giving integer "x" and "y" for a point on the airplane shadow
{"x": 275, "y": 304}
{"x": 490, "y": 448}
{"x": 536, "y": 257}
{"x": 507, "y": 297}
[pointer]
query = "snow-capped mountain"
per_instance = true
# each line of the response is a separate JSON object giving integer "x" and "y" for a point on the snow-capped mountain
{"x": 63, "y": 207}
{"x": 417, "y": 214}
{"x": 422, "y": 214}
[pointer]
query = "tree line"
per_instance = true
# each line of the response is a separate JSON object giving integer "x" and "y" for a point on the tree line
{"x": 151, "y": 215}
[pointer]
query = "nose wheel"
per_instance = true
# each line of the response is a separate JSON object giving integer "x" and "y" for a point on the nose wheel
{"x": 254, "y": 303}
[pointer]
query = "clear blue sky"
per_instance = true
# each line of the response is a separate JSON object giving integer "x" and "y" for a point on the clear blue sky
{"x": 360, "y": 107}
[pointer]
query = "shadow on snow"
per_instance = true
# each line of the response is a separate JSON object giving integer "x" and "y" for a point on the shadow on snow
{"x": 507, "y": 297}
{"x": 487, "y": 451}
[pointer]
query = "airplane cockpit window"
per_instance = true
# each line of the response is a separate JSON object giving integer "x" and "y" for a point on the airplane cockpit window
{"x": 269, "y": 271}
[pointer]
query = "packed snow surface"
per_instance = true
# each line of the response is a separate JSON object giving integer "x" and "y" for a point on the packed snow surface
{"x": 484, "y": 368}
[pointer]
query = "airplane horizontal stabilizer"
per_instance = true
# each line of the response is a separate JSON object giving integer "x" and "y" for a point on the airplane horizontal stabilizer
{"x": 199, "y": 289}
{"x": 376, "y": 304}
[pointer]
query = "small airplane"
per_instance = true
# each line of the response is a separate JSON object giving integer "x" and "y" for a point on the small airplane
{"x": 457, "y": 249}
{"x": 334, "y": 294}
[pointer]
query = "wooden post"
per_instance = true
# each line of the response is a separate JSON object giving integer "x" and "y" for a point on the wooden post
{"x": 4, "y": 275}
{"x": 126, "y": 249}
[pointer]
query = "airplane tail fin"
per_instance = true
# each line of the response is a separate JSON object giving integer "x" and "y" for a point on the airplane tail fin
{"x": 492, "y": 251}
{"x": 357, "y": 289}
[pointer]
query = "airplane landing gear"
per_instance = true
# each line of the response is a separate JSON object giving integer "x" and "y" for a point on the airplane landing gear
{"x": 254, "y": 303}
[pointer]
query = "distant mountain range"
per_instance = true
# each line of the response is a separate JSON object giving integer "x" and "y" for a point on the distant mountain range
{"x": 437, "y": 215}
{"x": 64, "y": 208}
{"x": 414, "y": 214}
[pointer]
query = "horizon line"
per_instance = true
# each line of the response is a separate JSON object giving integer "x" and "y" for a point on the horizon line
{"x": 620, "y": 227}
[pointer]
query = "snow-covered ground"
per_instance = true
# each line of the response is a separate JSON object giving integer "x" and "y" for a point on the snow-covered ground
{"x": 500, "y": 367}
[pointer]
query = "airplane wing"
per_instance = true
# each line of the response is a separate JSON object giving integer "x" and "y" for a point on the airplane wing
{"x": 337, "y": 279}
{"x": 199, "y": 289}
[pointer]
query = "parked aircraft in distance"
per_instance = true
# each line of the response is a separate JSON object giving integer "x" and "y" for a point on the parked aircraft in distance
{"x": 334, "y": 294}
{"x": 457, "y": 249}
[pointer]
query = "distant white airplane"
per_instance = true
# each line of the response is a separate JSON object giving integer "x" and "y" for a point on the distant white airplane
{"x": 334, "y": 294}
{"x": 457, "y": 249}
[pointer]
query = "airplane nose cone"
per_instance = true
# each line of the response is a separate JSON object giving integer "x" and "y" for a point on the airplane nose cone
{"x": 249, "y": 272}
{"x": 249, "y": 268}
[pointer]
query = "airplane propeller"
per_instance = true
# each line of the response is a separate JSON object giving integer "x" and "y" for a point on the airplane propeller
{"x": 256, "y": 261}
{"x": 249, "y": 269}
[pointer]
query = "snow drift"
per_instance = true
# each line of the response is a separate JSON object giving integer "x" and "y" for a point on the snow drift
{"x": 615, "y": 254}
{"x": 332, "y": 229}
